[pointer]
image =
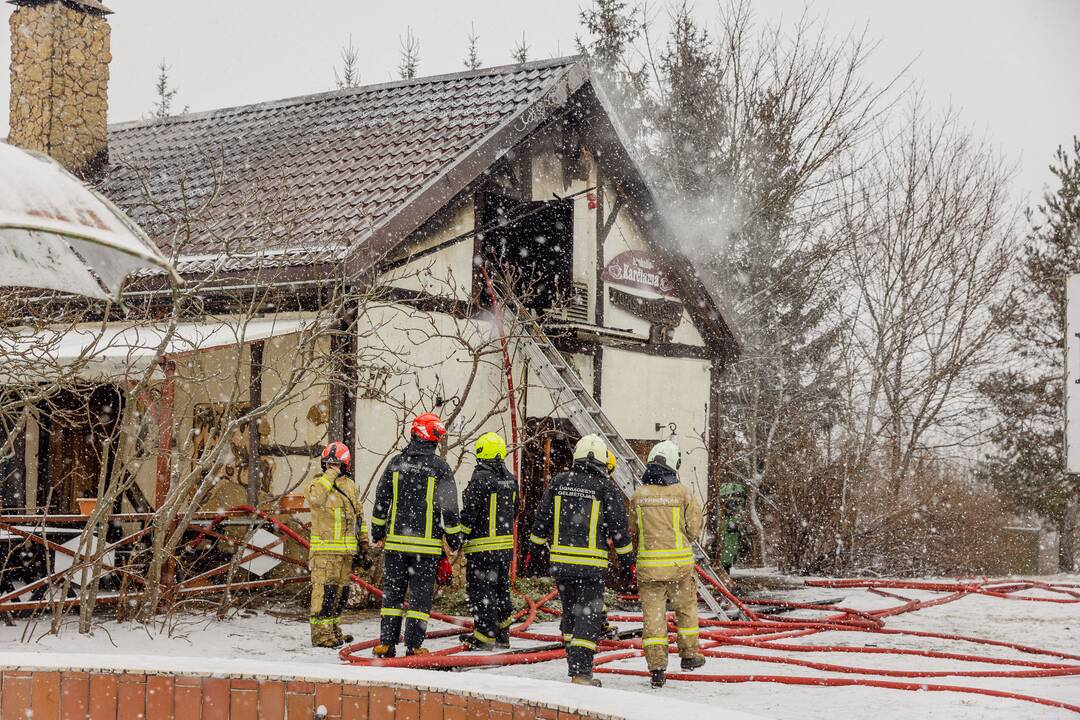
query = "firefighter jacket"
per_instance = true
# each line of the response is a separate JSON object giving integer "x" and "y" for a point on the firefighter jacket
{"x": 336, "y": 521}
{"x": 489, "y": 506}
{"x": 416, "y": 503}
{"x": 667, "y": 519}
{"x": 579, "y": 512}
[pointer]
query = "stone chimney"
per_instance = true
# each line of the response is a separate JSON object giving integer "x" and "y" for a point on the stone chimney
{"x": 59, "y": 81}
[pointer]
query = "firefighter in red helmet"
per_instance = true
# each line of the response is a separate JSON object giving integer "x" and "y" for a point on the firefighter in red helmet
{"x": 416, "y": 511}
{"x": 337, "y": 535}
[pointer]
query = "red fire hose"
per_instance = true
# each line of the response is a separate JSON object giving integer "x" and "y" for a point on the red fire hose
{"x": 771, "y": 633}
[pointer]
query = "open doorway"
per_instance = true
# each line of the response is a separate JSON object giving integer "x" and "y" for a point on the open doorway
{"x": 73, "y": 430}
{"x": 548, "y": 451}
{"x": 534, "y": 241}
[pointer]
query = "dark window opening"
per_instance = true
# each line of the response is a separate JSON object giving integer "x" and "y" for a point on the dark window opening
{"x": 74, "y": 427}
{"x": 529, "y": 244}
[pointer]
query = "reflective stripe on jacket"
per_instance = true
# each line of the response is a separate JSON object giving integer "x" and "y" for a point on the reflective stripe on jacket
{"x": 416, "y": 503}
{"x": 579, "y": 513}
{"x": 489, "y": 507}
{"x": 334, "y": 504}
{"x": 667, "y": 519}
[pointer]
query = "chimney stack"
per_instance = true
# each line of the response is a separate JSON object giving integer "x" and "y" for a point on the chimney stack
{"x": 59, "y": 81}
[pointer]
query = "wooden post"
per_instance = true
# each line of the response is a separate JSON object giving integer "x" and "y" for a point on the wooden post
{"x": 255, "y": 369}
{"x": 601, "y": 236}
{"x": 336, "y": 426}
{"x": 352, "y": 380}
{"x": 165, "y": 433}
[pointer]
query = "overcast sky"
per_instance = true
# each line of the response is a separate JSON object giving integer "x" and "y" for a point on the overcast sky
{"x": 1011, "y": 67}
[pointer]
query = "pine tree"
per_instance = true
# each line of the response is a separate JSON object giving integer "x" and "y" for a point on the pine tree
{"x": 1028, "y": 395}
{"x": 520, "y": 53}
{"x": 164, "y": 91}
{"x": 409, "y": 61}
{"x": 472, "y": 52}
{"x": 349, "y": 77}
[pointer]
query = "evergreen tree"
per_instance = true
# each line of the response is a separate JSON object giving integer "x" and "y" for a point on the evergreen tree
{"x": 349, "y": 77}
{"x": 409, "y": 61}
{"x": 1029, "y": 394}
{"x": 520, "y": 53}
{"x": 472, "y": 52}
{"x": 165, "y": 93}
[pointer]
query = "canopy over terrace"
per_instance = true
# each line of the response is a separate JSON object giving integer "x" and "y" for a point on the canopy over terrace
{"x": 115, "y": 352}
{"x": 120, "y": 354}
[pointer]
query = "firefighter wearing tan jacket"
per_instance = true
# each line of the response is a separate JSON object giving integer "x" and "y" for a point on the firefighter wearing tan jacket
{"x": 335, "y": 526}
{"x": 666, "y": 518}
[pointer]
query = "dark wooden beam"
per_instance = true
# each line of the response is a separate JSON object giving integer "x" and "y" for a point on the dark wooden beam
{"x": 255, "y": 367}
{"x": 352, "y": 378}
{"x": 290, "y": 450}
{"x": 599, "y": 297}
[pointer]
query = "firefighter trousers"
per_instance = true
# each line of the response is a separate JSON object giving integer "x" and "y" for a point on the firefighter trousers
{"x": 655, "y": 595}
{"x": 330, "y": 584}
{"x": 487, "y": 582}
{"x": 583, "y": 613}
{"x": 411, "y": 575}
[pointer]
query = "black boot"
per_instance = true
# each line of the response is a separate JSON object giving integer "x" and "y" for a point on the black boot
{"x": 502, "y": 639}
{"x": 472, "y": 642}
{"x": 692, "y": 663}
{"x": 657, "y": 678}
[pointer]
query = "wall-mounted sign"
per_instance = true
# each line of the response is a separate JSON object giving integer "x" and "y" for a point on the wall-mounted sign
{"x": 638, "y": 269}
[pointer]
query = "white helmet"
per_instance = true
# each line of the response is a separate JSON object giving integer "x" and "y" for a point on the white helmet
{"x": 665, "y": 453}
{"x": 591, "y": 447}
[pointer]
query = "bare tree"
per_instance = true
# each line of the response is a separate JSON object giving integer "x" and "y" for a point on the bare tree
{"x": 930, "y": 232}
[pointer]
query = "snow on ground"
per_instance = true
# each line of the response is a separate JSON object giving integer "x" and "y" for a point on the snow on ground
{"x": 261, "y": 638}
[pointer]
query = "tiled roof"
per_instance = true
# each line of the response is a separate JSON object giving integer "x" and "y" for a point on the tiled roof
{"x": 311, "y": 175}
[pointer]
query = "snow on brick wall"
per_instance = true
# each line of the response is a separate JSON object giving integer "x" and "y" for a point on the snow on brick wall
{"x": 60, "y": 693}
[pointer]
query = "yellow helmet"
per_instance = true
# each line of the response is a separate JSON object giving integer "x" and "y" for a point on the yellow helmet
{"x": 611, "y": 462}
{"x": 490, "y": 446}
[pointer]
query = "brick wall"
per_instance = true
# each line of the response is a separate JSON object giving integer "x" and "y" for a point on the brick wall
{"x": 68, "y": 695}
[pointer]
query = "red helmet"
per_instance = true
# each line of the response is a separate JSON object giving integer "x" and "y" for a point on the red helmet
{"x": 336, "y": 453}
{"x": 428, "y": 427}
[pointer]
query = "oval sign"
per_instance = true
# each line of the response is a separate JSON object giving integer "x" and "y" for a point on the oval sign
{"x": 638, "y": 269}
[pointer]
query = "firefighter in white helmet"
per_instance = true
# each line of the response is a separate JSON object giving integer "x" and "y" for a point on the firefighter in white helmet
{"x": 666, "y": 519}
{"x": 579, "y": 513}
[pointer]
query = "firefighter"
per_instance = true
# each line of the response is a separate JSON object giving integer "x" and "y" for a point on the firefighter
{"x": 489, "y": 506}
{"x": 337, "y": 537}
{"x": 416, "y": 510}
{"x": 578, "y": 514}
{"x": 667, "y": 519}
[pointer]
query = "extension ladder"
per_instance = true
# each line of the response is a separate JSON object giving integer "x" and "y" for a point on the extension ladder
{"x": 587, "y": 417}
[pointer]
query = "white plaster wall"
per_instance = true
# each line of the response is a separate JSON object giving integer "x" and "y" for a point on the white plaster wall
{"x": 642, "y": 390}
{"x": 426, "y": 360}
{"x": 448, "y": 272}
{"x": 539, "y": 403}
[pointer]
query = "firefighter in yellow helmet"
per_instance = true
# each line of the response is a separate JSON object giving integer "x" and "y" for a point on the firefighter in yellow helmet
{"x": 489, "y": 507}
{"x": 667, "y": 519}
{"x": 336, "y": 523}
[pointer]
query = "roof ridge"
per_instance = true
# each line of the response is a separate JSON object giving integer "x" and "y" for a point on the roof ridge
{"x": 565, "y": 60}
